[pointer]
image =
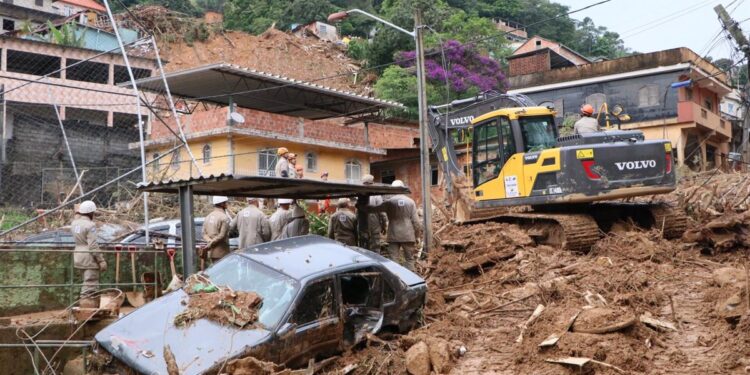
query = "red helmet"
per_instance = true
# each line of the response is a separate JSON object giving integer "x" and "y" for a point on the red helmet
{"x": 587, "y": 109}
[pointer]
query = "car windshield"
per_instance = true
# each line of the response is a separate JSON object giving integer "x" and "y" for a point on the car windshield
{"x": 538, "y": 132}
{"x": 276, "y": 289}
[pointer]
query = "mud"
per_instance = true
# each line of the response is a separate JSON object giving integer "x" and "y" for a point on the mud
{"x": 629, "y": 273}
{"x": 218, "y": 303}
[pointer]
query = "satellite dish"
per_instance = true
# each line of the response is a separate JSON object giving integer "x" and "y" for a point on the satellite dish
{"x": 237, "y": 118}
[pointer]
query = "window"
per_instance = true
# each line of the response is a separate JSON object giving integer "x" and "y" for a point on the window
{"x": 486, "y": 152}
{"x": 688, "y": 93}
{"x": 506, "y": 137}
{"x": 353, "y": 171}
{"x": 68, "y": 10}
{"x": 8, "y": 1}
{"x": 87, "y": 71}
{"x": 318, "y": 302}
{"x": 175, "y": 164}
{"x": 206, "y": 154}
{"x": 708, "y": 103}
{"x": 267, "y": 162}
{"x": 155, "y": 163}
{"x": 434, "y": 176}
{"x": 9, "y": 25}
{"x": 39, "y": 3}
{"x": 596, "y": 101}
{"x": 538, "y": 133}
{"x": 311, "y": 162}
{"x": 387, "y": 176}
{"x": 33, "y": 63}
{"x": 648, "y": 96}
{"x": 121, "y": 74}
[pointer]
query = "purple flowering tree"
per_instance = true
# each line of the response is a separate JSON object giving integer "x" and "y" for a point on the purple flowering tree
{"x": 467, "y": 71}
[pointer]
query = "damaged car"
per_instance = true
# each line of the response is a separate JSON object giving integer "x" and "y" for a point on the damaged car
{"x": 318, "y": 298}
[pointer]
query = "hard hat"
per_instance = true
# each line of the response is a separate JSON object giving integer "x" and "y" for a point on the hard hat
{"x": 325, "y": 173}
{"x": 285, "y": 201}
{"x": 251, "y": 199}
{"x": 397, "y": 183}
{"x": 343, "y": 202}
{"x": 368, "y": 179}
{"x": 587, "y": 109}
{"x": 292, "y": 155}
{"x": 219, "y": 199}
{"x": 282, "y": 151}
{"x": 87, "y": 207}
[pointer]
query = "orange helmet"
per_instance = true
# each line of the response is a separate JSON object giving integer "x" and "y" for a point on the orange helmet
{"x": 587, "y": 109}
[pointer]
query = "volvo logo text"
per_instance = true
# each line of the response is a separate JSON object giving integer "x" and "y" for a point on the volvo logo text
{"x": 640, "y": 164}
{"x": 461, "y": 120}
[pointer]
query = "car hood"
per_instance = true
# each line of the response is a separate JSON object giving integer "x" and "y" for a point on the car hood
{"x": 139, "y": 338}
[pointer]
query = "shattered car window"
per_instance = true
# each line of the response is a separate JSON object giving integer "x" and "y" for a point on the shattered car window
{"x": 317, "y": 303}
{"x": 276, "y": 289}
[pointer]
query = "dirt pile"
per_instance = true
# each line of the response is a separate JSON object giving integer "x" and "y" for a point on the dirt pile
{"x": 276, "y": 52}
{"x": 221, "y": 304}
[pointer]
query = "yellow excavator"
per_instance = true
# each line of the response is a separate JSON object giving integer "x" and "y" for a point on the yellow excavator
{"x": 504, "y": 161}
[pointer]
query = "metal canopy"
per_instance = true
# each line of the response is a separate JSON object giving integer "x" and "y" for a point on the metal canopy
{"x": 249, "y": 88}
{"x": 270, "y": 187}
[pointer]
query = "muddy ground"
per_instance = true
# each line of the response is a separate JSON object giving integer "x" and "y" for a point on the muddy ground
{"x": 693, "y": 291}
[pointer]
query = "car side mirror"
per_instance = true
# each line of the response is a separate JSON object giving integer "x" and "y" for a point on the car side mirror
{"x": 286, "y": 329}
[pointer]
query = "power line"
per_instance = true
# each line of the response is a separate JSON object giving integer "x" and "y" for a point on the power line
{"x": 668, "y": 18}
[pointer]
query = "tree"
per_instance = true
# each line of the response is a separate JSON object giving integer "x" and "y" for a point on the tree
{"x": 466, "y": 28}
{"x": 306, "y": 11}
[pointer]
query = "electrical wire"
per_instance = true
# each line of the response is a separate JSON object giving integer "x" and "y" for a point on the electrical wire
{"x": 666, "y": 19}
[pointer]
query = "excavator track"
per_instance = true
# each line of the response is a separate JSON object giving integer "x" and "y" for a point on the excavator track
{"x": 572, "y": 232}
{"x": 670, "y": 221}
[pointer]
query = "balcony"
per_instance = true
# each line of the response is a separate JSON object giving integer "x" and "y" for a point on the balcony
{"x": 688, "y": 111}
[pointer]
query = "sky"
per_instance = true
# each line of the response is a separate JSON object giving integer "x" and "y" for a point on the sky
{"x": 653, "y": 25}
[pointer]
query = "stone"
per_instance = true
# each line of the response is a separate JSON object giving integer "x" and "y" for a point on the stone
{"x": 440, "y": 355}
{"x": 729, "y": 276}
{"x": 418, "y": 359}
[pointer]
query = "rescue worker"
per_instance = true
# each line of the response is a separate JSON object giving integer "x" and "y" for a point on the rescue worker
{"x": 87, "y": 256}
{"x": 252, "y": 224}
{"x": 403, "y": 226}
{"x": 325, "y": 204}
{"x": 586, "y": 124}
{"x": 342, "y": 225}
{"x": 299, "y": 172}
{"x": 298, "y": 225}
{"x": 216, "y": 230}
{"x": 282, "y": 163}
{"x": 279, "y": 218}
{"x": 377, "y": 222}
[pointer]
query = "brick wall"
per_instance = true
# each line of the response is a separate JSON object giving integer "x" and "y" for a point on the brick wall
{"x": 539, "y": 62}
{"x": 389, "y": 136}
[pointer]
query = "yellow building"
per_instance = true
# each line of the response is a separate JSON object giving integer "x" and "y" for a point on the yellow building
{"x": 251, "y": 148}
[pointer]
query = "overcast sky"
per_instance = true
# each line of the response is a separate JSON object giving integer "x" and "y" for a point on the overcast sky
{"x": 652, "y": 25}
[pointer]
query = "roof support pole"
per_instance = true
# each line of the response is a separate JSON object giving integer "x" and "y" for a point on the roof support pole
{"x": 188, "y": 230}
{"x": 363, "y": 235}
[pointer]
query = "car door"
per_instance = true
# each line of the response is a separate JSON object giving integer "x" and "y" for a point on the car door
{"x": 314, "y": 328}
{"x": 361, "y": 303}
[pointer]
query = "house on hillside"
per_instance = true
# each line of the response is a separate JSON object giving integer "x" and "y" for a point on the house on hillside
{"x": 98, "y": 116}
{"x": 538, "y": 54}
{"x": 688, "y": 116}
{"x": 320, "y": 30}
{"x": 17, "y": 14}
{"x": 733, "y": 111}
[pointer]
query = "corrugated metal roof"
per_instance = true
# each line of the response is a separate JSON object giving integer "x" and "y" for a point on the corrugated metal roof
{"x": 250, "y": 88}
{"x": 270, "y": 187}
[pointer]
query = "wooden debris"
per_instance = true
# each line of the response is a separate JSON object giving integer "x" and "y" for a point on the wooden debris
{"x": 534, "y": 316}
{"x": 552, "y": 339}
{"x": 349, "y": 368}
{"x": 172, "y": 368}
{"x": 482, "y": 261}
{"x": 582, "y": 361}
{"x": 656, "y": 323}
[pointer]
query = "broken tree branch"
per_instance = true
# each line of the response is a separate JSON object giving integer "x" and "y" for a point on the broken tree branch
{"x": 534, "y": 316}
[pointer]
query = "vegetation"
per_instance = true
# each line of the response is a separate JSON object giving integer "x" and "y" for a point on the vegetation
{"x": 11, "y": 218}
{"x": 64, "y": 35}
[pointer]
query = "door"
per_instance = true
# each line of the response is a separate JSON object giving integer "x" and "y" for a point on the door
{"x": 494, "y": 147}
{"x": 361, "y": 304}
{"x": 314, "y": 326}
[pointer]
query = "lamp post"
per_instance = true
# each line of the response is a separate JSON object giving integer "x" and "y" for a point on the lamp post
{"x": 424, "y": 152}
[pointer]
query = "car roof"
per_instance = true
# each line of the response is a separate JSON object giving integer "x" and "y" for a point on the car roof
{"x": 305, "y": 256}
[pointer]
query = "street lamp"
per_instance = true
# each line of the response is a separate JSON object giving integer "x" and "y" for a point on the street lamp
{"x": 422, "y": 102}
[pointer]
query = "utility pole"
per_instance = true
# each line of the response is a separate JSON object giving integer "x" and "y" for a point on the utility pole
{"x": 423, "y": 135}
{"x": 739, "y": 37}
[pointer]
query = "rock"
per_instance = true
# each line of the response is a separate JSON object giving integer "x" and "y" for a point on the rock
{"x": 75, "y": 367}
{"x": 440, "y": 355}
{"x": 729, "y": 276}
{"x": 732, "y": 308}
{"x": 418, "y": 359}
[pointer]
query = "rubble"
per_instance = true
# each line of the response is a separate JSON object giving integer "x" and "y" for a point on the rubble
{"x": 418, "y": 359}
{"x": 218, "y": 303}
